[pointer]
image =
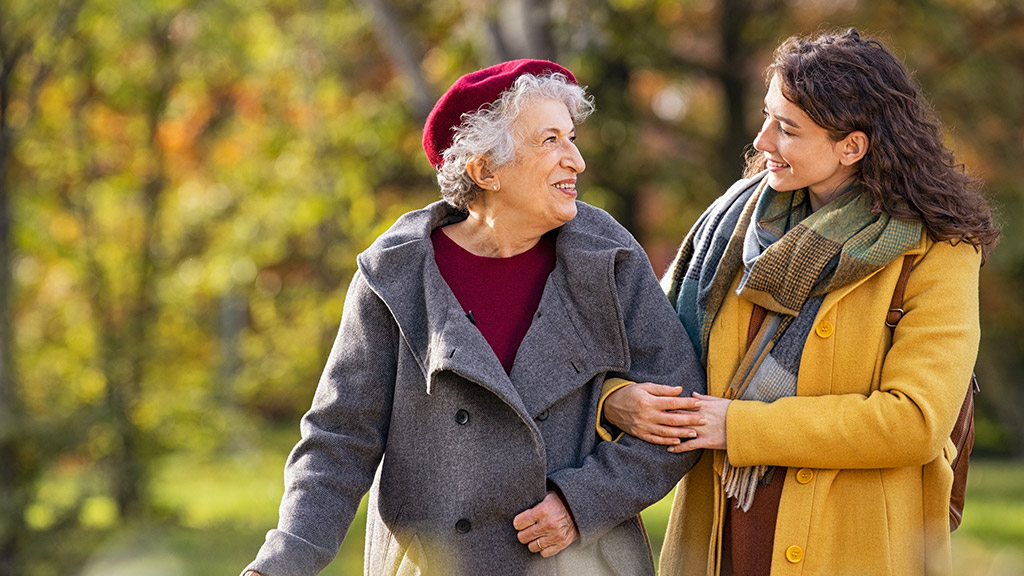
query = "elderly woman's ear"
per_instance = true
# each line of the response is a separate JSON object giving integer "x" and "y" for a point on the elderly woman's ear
{"x": 480, "y": 174}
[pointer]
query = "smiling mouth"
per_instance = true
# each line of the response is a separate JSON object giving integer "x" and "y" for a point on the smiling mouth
{"x": 567, "y": 188}
{"x": 776, "y": 165}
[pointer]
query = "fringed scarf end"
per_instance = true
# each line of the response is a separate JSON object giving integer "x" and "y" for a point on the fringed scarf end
{"x": 741, "y": 483}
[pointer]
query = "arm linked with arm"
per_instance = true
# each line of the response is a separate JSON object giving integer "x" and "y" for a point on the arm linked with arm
{"x": 619, "y": 479}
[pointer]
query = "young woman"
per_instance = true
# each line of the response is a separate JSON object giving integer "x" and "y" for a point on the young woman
{"x": 830, "y": 438}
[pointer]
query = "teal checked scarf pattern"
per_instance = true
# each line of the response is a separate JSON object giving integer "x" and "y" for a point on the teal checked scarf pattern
{"x": 790, "y": 259}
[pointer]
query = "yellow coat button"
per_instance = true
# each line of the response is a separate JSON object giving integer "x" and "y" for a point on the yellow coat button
{"x": 794, "y": 554}
{"x": 825, "y": 329}
{"x": 804, "y": 475}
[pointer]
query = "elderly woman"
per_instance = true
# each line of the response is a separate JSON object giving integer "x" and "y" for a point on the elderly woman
{"x": 829, "y": 433}
{"x": 463, "y": 387}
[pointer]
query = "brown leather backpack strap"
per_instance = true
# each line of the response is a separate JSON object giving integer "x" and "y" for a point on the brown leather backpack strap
{"x": 963, "y": 431}
{"x": 896, "y": 306}
{"x": 963, "y": 438}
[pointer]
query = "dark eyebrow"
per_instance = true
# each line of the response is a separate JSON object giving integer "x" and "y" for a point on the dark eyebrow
{"x": 783, "y": 118}
{"x": 788, "y": 121}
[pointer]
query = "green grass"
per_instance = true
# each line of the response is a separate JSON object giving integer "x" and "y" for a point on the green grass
{"x": 218, "y": 511}
{"x": 990, "y": 541}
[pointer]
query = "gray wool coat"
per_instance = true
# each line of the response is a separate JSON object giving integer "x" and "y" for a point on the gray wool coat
{"x": 415, "y": 407}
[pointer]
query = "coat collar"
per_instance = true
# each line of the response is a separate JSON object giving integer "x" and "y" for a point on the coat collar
{"x": 576, "y": 333}
{"x": 836, "y": 295}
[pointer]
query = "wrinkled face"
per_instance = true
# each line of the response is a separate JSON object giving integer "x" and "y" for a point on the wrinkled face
{"x": 800, "y": 153}
{"x": 539, "y": 184}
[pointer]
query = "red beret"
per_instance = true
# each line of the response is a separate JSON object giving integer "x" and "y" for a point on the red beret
{"x": 470, "y": 93}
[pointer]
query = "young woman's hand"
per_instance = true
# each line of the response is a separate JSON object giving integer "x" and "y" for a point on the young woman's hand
{"x": 711, "y": 433}
{"x": 654, "y": 413}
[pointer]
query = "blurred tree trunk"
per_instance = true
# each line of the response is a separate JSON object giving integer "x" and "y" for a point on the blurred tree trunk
{"x": 128, "y": 349}
{"x": 522, "y": 29}
{"x": 735, "y": 83}
{"x": 16, "y": 475}
{"x": 518, "y": 29}
{"x": 126, "y": 321}
{"x": 536, "y": 23}
{"x": 619, "y": 171}
{"x": 396, "y": 40}
{"x": 13, "y": 503}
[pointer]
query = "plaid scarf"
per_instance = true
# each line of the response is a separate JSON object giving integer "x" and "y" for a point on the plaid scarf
{"x": 790, "y": 259}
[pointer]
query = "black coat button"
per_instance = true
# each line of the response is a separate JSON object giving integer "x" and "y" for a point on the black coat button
{"x": 463, "y": 526}
{"x": 542, "y": 416}
{"x": 461, "y": 417}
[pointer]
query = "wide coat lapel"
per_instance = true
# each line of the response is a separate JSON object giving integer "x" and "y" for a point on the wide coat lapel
{"x": 439, "y": 335}
{"x": 578, "y": 330}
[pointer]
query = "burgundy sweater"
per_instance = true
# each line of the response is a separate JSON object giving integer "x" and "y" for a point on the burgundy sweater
{"x": 500, "y": 295}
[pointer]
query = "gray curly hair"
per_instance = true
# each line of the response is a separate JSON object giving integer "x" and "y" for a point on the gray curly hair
{"x": 488, "y": 132}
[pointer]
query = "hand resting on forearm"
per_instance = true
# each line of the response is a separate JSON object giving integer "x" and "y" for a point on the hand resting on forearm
{"x": 654, "y": 413}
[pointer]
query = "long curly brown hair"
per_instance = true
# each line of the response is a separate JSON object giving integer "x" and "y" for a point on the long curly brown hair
{"x": 845, "y": 83}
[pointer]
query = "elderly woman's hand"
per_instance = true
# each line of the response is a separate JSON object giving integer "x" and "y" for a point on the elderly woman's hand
{"x": 653, "y": 412}
{"x": 548, "y": 527}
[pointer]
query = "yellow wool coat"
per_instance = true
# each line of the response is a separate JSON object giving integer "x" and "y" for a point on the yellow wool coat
{"x": 866, "y": 438}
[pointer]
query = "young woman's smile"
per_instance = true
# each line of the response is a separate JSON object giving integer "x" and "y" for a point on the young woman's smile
{"x": 799, "y": 153}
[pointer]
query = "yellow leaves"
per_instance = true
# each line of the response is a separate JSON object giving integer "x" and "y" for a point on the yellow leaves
{"x": 89, "y": 387}
{"x": 55, "y": 101}
{"x": 247, "y": 98}
{"x": 173, "y": 136}
{"x": 243, "y": 271}
{"x": 189, "y": 275}
{"x": 69, "y": 488}
{"x": 440, "y": 67}
{"x": 301, "y": 114}
{"x": 268, "y": 283}
{"x": 57, "y": 285}
{"x": 39, "y": 516}
{"x": 227, "y": 152}
{"x": 65, "y": 227}
{"x": 18, "y": 113}
{"x": 98, "y": 512}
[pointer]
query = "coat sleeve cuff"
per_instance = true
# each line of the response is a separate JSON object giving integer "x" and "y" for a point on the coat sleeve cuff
{"x": 605, "y": 430}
